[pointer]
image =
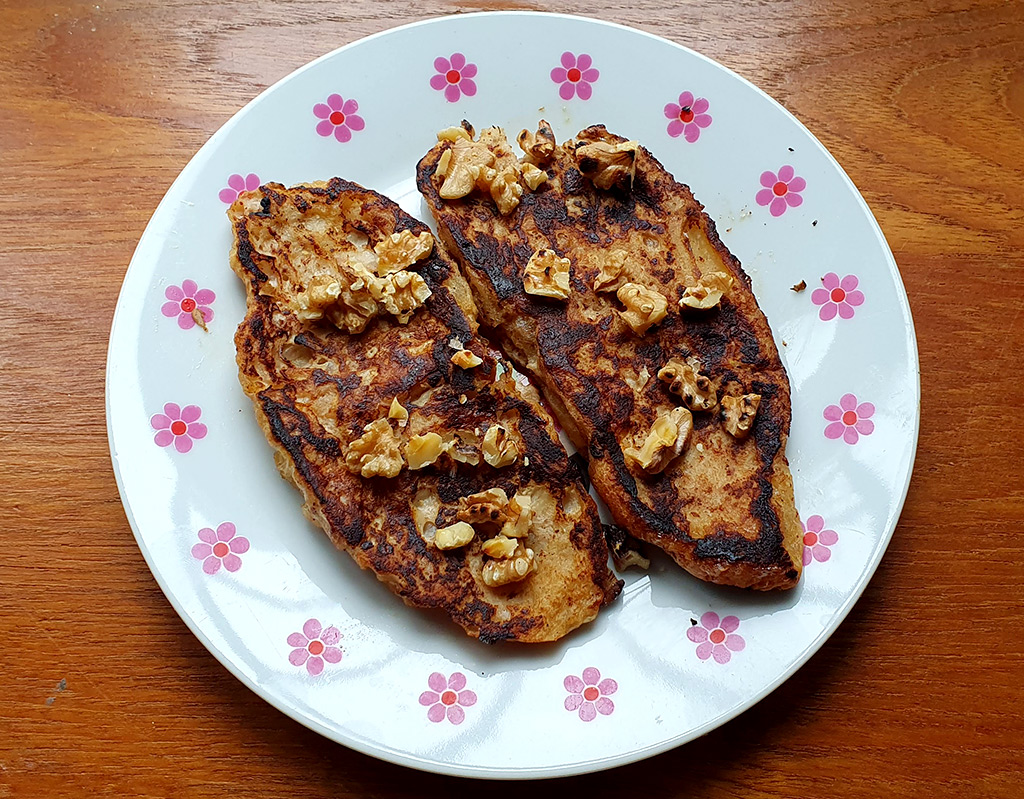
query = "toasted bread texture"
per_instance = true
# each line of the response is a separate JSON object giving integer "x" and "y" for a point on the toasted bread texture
{"x": 343, "y": 388}
{"x": 718, "y": 498}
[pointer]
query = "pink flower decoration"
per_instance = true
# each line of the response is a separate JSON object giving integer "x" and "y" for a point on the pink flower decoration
{"x": 178, "y": 425}
{"x": 223, "y": 546}
{"x": 184, "y": 300}
{"x": 454, "y": 77}
{"x": 446, "y": 698}
{"x": 781, "y": 191}
{"x": 236, "y": 185}
{"x": 338, "y": 116}
{"x": 849, "y": 420}
{"x": 817, "y": 541}
{"x": 716, "y": 637}
{"x": 838, "y": 296}
{"x": 313, "y": 646}
{"x": 575, "y": 76}
{"x": 688, "y": 117}
{"x": 590, "y": 694}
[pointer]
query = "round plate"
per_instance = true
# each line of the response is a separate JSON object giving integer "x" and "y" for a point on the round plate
{"x": 297, "y": 621}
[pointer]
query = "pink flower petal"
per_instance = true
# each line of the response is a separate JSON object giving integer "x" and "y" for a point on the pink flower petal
{"x": 457, "y": 681}
{"x": 211, "y": 565}
{"x": 468, "y": 71}
{"x": 567, "y": 91}
{"x": 170, "y": 309}
{"x": 588, "y": 712}
{"x": 704, "y": 650}
{"x": 710, "y": 620}
{"x": 764, "y": 196}
{"x": 568, "y": 60}
{"x": 797, "y": 184}
{"x": 442, "y": 64}
{"x": 252, "y": 182}
{"x": 226, "y": 530}
{"x": 237, "y": 182}
{"x": 697, "y": 634}
{"x": 467, "y": 698}
{"x": 865, "y": 410}
{"x": 315, "y": 665}
{"x": 558, "y": 75}
{"x": 819, "y": 296}
{"x": 232, "y": 562}
{"x": 574, "y": 684}
{"x": 183, "y": 444}
{"x": 438, "y": 82}
{"x": 865, "y": 427}
{"x": 849, "y": 283}
{"x": 608, "y": 687}
{"x": 436, "y": 713}
{"x": 686, "y": 100}
{"x": 163, "y": 438}
{"x": 298, "y": 656}
{"x": 605, "y": 706}
{"x": 468, "y": 87}
{"x": 730, "y": 623}
{"x": 159, "y": 421}
{"x": 807, "y": 555}
{"x": 821, "y": 554}
{"x": 437, "y": 682}
{"x": 835, "y": 430}
{"x": 197, "y": 430}
{"x": 335, "y": 102}
{"x": 590, "y": 75}
{"x": 830, "y": 281}
{"x": 828, "y": 537}
{"x": 793, "y": 199}
{"x": 456, "y": 715}
{"x": 429, "y": 698}
{"x": 331, "y": 653}
{"x": 700, "y": 105}
{"x": 355, "y": 122}
{"x": 591, "y": 676}
{"x": 850, "y": 435}
{"x": 848, "y": 402}
{"x": 573, "y": 701}
{"x": 189, "y": 287}
{"x": 675, "y": 127}
{"x": 185, "y": 321}
{"x": 583, "y": 90}
{"x": 768, "y": 179}
{"x": 207, "y": 535}
{"x": 815, "y": 523}
{"x": 672, "y": 111}
{"x": 311, "y": 629}
{"x": 855, "y": 298}
{"x": 321, "y": 111}
{"x": 458, "y": 60}
{"x": 190, "y": 413}
{"x": 735, "y": 643}
{"x": 702, "y": 120}
{"x": 721, "y": 654}
{"x": 584, "y": 62}
{"x": 833, "y": 413}
{"x": 201, "y": 551}
{"x": 452, "y": 93}
{"x": 205, "y": 297}
{"x": 828, "y": 311}
{"x": 350, "y": 107}
{"x": 331, "y": 635}
{"x": 226, "y": 196}
{"x": 786, "y": 173}
{"x": 778, "y": 206}
{"x": 325, "y": 128}
{"x": 845, "y": 311}
{"x": 298, "y": 639}
{"x": 691, "y": 133}
{"x": 342, "y": 133}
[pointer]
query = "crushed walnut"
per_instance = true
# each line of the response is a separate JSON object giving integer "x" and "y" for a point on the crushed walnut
{"x": 500, "y": 547}
{"x": 664, "y": 442}
{"x": 686, "y": 381}
{"x": 708, "y": 292}
{"x": 509, "y": 570}
{"x": 465, "y": 359}
{"x": 401, "y": 250}
{"x": 613, "y": 272}
{"x": 468, "y": 160}
{"x": 463, "y": 446}
{"x": 547, "y": 275}
{"x": 608, "y": 164}
{"x": 423, "y": 450}
{"x": 376, "y": 452}
{"x": 644, "y": 306}
{"x": 533, "y": 176}
{"x": 474, "y": 165}
{"x": 505, "y": 188}
{"x": 398, "y": 412}
{"x": 454, "y": 536}
{"x": 401, "y": 293}
{"x": 539, "y": 147}
{"x": 520, "y": 516}
{"x": 739, "y": 413}
{"x": 485, "y": 507}
{"x": 500, "y": 447}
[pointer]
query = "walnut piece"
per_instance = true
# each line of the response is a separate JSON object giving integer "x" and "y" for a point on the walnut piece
{"x": 454, "y": 536}
{"x": 520, "y": 516}
{"x": 423, "y": 450}
{"x": 505, "y": 189}
{"x": 612, "y": 273}
{"x": 739, "y": 413}
{"x": 401, "y": 250}
{"x": 708, "y": 292}
{"x": 463, "y": 446}
{"x": 454, "y": 133}
{"x": 400, "y": 293}
{"x": 644, "y": 307}
{"x": 539, "y": 147}
{"x": 608, "y": 164}
{"x": 686, "y": 381}
{"x": 466, "y": 359}
{"x": 547, "y": 275}
{"x": 509, "y": 570}
{"x": 500, "y": 547}
{"x": 398, "y": 412}
{"x": 664, "y": 442}
{"x": 468, "y": 160}
{"x": 533, "y": 176}
{"x": 484, "y": 507}
{"x": 499, "y": 447}
{"x": 376, "y": 452}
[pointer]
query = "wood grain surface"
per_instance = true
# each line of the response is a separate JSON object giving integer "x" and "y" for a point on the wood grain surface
{"x": 104, "y": 692}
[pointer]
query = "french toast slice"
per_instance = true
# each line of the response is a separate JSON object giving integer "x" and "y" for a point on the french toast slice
{"x": 359, "y": 350}
{"x": 600, "y": 276}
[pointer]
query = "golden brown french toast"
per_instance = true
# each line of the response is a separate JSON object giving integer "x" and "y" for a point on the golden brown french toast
{"x": 411, "y": 443}
{"x": 601, "y": 277}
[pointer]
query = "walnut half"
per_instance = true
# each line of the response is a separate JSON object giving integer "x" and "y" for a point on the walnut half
{"x": 509, "y": 570}
{"x": 739, "y": 413}
{"x": 376, "y": 452}
{"x": 484, "y": 507}
{"x": 539, "y": 147}
{"x": 547, "y": 275}
{"x": 500, "y": 448}
{"x": 608, "y": 164}
{"x": 708, "y": 292}
{"x": 686, "y": 381}
{"x": 401, "y": 250}
{"x": 644, "y": 307}
{"x": 664, "y": 442}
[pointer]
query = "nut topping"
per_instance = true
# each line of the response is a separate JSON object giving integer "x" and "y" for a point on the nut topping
{"x": 500, "y": 547}
{"x": 708, "y": 292}
{"x": 454, "y": 536}
{"x": 664, "y": 442}
{"x": 401, "y": 250}
{"x": 423, "y": 450}
{"x": 686, "y": 381}
{"x": 608, "y": 164}
{"x": 398, "y": 412}
{"x": 499, "y": 447}
{"x": 375, "y": 452}
{"x": 547, "y": 275}
{"x": 739, "y": 413}
{"x": 466, "y": 359}
{"x": 613, "y": 272}
{"x": 509, "y": 570}
{"x": 644, "y": 307}
{"x": 539, "y": 147}
{"x": 485, "y": 507}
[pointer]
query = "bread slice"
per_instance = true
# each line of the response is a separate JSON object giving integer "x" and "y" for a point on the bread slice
{"x": 587, "y": 282}
{"x": 387, "y": 410}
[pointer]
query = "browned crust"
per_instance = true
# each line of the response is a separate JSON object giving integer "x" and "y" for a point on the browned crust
{"x": 756, "y": 540}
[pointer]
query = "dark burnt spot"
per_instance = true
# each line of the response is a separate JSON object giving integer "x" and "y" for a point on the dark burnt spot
{"x": 344, "y": 383}
{"x": 353, "y": 532}
{"x": 247, "y": 255}
{"x": 573, "y": 181}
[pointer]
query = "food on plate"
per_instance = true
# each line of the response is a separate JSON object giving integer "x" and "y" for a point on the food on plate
{"x": 603, "y": 279}
{"x": 411, "y": 443}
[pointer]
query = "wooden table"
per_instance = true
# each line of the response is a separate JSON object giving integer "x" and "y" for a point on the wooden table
{"x": 104, "y": 692}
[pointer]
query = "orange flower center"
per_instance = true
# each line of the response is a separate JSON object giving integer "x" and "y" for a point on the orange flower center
{"x": 316, "y": 647}
{"x": 717, "y": 636}
{"x": 574, "y": 75}
{"x": 591, "y": 693}
{"x": 178, "y": 428}
{"x": 220, "y": 549}
{"x": 850, "y": 418}
{"x": 837, "y": 295}
{"x": 448, "y": 698}
{"x": 188, "y": 305}
{"x": 780, "y": 188}
{"x": 452, "y": 76}
{"x": 810, "y": 539}
{"x": 337, "y": 118}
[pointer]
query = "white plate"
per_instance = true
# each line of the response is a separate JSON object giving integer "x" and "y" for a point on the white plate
{"x": 673, "y": 657}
